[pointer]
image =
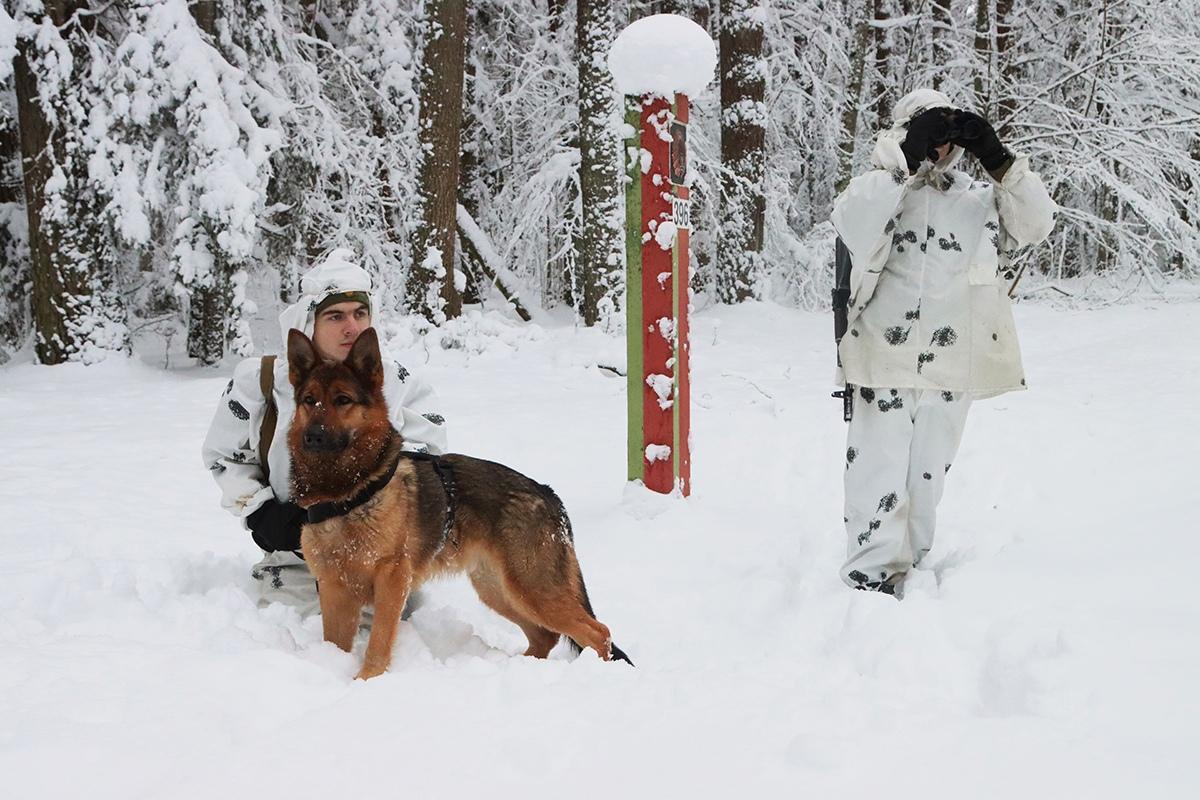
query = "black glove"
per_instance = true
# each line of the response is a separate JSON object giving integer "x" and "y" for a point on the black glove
{"x": 926, "y": 131}
{"x": 975, "y": 134}
{"x": 276, "y": 526}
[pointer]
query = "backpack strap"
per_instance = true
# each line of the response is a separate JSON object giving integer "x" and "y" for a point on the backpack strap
{"x": 266, "y": 381}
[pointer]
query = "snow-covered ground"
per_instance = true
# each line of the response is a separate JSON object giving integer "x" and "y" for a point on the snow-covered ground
{"x": 1053, "y": 649}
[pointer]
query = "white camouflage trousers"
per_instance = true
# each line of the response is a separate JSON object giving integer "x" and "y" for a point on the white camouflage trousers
{"x": 899, "y": 448}
{"x": 283, "y": 577}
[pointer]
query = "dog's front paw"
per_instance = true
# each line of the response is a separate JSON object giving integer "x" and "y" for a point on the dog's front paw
{"x": 369, "y": 671}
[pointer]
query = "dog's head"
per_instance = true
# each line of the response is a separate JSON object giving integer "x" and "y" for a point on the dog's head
{"x": 337, "y": 404}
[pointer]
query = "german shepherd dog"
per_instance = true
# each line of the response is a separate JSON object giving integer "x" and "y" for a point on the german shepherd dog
{"x": 382, "y": 521}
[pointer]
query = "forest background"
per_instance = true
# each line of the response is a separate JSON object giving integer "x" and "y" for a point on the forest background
{"x": 167, "y": 167}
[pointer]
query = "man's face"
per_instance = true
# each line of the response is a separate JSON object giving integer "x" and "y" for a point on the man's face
{"x": 337, "y": 327}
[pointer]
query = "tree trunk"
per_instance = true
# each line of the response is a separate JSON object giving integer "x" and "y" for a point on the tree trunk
{"x": 15, "y": 313}
{"x": 743, "y": 134}
{"x": 10, "y": 153}
{"x": 469, "y": 194}
{"x": 697, "y": 11}
{"x": 39, "y": 153}
{"x": 205, "y": 14}
{"x": 431, "y": 289}
{"x": 943, "y": 24}
{"x": 209, "y": 297}
{"x": 75, "y": 313}
{"x": 556, "y": 10}
{"x": 600, "y": 243}
{"x": 1108, "y": 204}
{"x": 983, "y": 56}
{"x": 1006, "y": 67}
{"x": 561, "y": 284}
{"x": 208, "y": 311}
{"x": 294, "y": 244}
{"x": 492, "y": 272}
{"x": 883, "y": 55}
{"x": 858, "y": 57}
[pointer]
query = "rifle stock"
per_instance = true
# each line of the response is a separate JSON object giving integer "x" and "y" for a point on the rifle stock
{"x": 841, "y": 302}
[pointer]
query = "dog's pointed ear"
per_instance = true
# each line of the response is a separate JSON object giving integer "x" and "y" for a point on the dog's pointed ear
{"x": 301, "y": 355}
{"x": 365, "y": 359}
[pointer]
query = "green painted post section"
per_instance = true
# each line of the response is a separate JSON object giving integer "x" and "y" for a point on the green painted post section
{"x": 633, "y": 290}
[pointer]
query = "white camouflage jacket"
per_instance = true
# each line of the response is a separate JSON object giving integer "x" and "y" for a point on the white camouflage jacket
{"x": 230, "y": 449}
{"x": 929, "y": 304}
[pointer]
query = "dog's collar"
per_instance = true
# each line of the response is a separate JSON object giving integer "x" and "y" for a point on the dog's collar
{"x": 323, "y": 511}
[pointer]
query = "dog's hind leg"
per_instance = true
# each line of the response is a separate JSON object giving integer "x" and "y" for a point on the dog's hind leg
{"x": 487, "y": 586}
{"x": 579, "y": 626}
{"x": 559, "y": 609}
{"x": 393, "y": 580}
{"x": 564, "y": 611}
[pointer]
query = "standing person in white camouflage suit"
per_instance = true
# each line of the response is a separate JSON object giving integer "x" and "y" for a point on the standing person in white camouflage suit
{"x": 335, "y": 306}
{"x": 930, "y": 328}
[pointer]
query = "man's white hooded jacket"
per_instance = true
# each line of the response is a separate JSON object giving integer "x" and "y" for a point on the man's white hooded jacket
{"x": 231, "y": 447}
{"x": 929, "y": 304}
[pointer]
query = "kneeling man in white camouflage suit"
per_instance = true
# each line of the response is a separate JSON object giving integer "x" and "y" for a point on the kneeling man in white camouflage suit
{"x": 335, "y": 306}
{"x": 930, "y": 326}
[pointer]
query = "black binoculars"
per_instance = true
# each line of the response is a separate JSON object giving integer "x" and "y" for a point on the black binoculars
{"x": 954, "y": 125}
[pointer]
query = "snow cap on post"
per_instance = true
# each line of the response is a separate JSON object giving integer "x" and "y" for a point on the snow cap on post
{"x": 663, "y": 54}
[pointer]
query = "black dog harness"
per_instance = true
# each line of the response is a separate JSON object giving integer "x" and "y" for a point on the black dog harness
{"x": 324, "y": 511}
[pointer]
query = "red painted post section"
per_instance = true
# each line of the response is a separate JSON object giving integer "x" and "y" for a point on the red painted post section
{"x": 657, "y": 296}
{"x": 656, "y": 61}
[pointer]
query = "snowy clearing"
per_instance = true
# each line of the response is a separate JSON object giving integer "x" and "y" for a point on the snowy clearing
{"x": 1049, "y": 650}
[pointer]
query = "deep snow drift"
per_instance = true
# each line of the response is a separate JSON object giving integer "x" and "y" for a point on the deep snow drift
{"x": 1053, "y": 648}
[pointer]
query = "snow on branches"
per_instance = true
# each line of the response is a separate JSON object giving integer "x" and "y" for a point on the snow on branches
{"x": 197, "y": 154}
{"x": 185, "y": 134}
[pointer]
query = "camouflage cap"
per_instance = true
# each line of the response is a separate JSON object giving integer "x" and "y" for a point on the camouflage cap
{"x": 343, "y": 297}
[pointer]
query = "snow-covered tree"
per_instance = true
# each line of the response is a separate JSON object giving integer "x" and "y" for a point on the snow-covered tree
{"x": 862, "y": 15}
{"x": 60, "y": 55}
{"x": 185, "y": 141}
{"x": 743, "y": 135}
{"x": 434, "y": 285}
{"x": 600, "y": 242}
{"x": 205, "y": 152}
{"x": 15, "y": 282}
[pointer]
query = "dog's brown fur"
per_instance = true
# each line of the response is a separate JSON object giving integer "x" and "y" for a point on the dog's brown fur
{"x": 511, "y": 536}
